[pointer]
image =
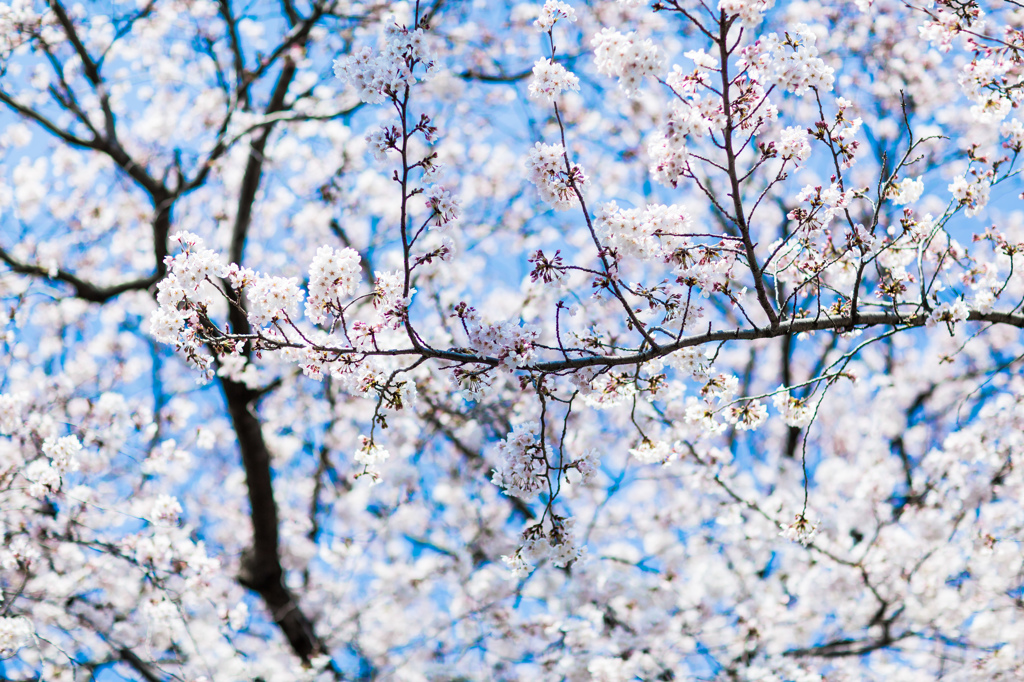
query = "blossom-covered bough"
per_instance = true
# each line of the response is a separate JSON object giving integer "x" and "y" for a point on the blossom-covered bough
{"x": 443, "y": 340}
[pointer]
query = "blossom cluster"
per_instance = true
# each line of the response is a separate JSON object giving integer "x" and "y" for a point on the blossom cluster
{"x": 653, "y": 452}
{"x": 825, "y": 203}
{"x": 194, "y": 267}
{"x": 949, "y": 313}
{"x": 161, "y": 617}
{"x": 43, "y": 477}
{"x": 444, "y": 208}
{"x": 583, "y": 468}
{"x": 794, "y": 411}
{"x": 333, "y": 276}
{"x": 559, "y": 545}
{"x": 550, "y": 80}
{"x": 511, "y": 343}
{"x": 716, "y": 393}
{"x": 165, "y": 323}
{"x": 906, "y": 191}
{"x": 801, "y": 530}
{"x": 551, "y": 13}
{"x": 15, "y": 632}
{"x": 271, "y": 298}
{"x": 794, "y": 144}
{"x": 388, "y": 297}
{"x": 971, "y": 194}
{"x": 164, "y": 510}
{"x": 186, "y": 291}
{"x": 12, "y": 410}
{"x": 748, "y": 415}
{"x": 606, "y": 390}
{"x": 1013, "y": 130}
{"x": 369, "y": 452}
{"x": 790, "y": 62}
{"x": 187, "y": 284}
{"x": 709, "y": 269}
{"x": 388, "y": 71}
{"x": 166, "y": 457}
{"x": 980, "y": 80}
{"x": 696, "y": 116}
{"x": 653, "y": 231}
{"x": 522, "y": 471}
{"x": 46, "y": 475}
{"x": 940, "y": 31}
{"x": 63, "y": 452}
{"x": 547, "y": 170}
{"x": 380, "y": 140}
{"x": 668, "y": 155}
{"x": 750, "y": 12}
{"x": 626, "y": 57}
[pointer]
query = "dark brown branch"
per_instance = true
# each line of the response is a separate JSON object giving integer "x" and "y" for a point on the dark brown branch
{"x": 296, "y": 36}
{"x": 848, "y": 647}
{"x": 82, "y": 289}
{"x": 138, "y": 665}
{"x": 111, "y": 148}
{"x": 254, "y": 167}
{"x": 495, "y": 78}
{"x": 841, "y": 323}
{"x": 48, "y": 125}
{"x": 260, "y": 569}
{"x": 481, "y": 77}
{"x": 288, "y": 7}
{"x": 241, "y": 87}
{"x": 109, "y": 143}
{"x": 89, "y": 67}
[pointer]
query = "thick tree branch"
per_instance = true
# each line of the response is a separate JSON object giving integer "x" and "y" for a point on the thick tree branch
{"x": 848, "y": 647}
{"x": 254, "y": 167}
{"x": 138, "y": 665}
{"x": 260, "y": 569}
{"x": 82, "y": 289}
{"x": 841, "y": 323}
{"x": 48, "y": 125}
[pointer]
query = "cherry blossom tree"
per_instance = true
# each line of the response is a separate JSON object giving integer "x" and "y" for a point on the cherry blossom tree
{"x": 350, "y": 340}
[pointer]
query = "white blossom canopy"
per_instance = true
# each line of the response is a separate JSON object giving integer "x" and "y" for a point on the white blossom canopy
{"x": 349, "y": 340}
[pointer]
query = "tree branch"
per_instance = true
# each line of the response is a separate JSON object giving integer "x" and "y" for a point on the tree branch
{"x": 82, "y": 289}
{"x": 260, "y": 569}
